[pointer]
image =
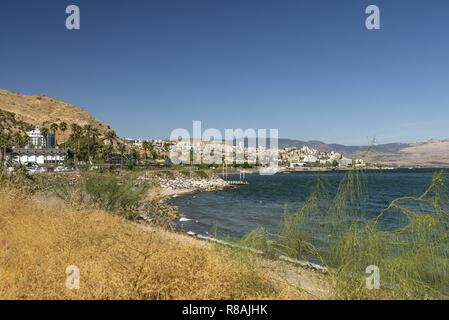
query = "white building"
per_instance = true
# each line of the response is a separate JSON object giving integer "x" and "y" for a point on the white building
{"x": 39, "y": 156}
{"x": 345, "y": 162}
{"x": 38, "y": 140}
{"x": 310, "y": 159}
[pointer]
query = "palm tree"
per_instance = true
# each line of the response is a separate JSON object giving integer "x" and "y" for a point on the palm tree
{"x": 122, "y": 149}
{"x": 76, "y": 135}
{"x": 95, "y": 134}
{"x": 146, "y": 147}
{"x": 54, "y": 127}
{"x": 25, "y": 143}
{"x": 88, "y": 130}
{"x": 4, "y": 140}
{"x": 44, "y": 131}
{"x": 26, "y": 140}
{"x": 63, "y": 128}
{"x": 104, "y": 152}
{"x": 111, "y": 136}
{"x": 19, "y": 140}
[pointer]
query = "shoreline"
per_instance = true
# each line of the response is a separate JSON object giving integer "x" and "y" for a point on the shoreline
{"x": 300, "y": 274}
{"x": 178, "y": 185}
{"x": 168, "y": 194}
{"x": 328, "y": 169}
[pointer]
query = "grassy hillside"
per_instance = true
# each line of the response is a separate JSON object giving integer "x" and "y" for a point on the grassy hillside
{"x": 40, "y": 236}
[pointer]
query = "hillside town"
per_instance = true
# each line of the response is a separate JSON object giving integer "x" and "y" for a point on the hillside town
{"x": 238, "y": 154}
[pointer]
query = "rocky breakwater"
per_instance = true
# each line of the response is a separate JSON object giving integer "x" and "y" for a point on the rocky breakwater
{"x": 191, "y": 183}
{"x": 173, "y": 182}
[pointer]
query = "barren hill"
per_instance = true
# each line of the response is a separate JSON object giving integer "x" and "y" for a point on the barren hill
{"x": 42, "y": 110}
{"x": 433, "y": 153}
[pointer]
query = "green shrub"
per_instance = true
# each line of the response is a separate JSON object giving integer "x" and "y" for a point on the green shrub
{"x": 106, "y": 192}
{"x": 167, "y": 173}
{"x": 413, "y": 258}
{"x": 202, "y": 174}
{"x": 185, "y": 173}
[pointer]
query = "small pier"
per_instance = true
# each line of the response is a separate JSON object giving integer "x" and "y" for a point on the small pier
{"x": 242, "y": 177}
{"x": 237, "y": 182}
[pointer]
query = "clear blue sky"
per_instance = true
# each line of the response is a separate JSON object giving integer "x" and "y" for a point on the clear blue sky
{"x": 309, "y": 68}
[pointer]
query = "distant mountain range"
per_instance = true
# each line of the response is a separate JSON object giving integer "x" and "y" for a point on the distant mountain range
{"x": 349, "y": 151}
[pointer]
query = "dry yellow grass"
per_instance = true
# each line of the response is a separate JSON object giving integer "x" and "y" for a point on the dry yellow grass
{"x": 117, "y": 260}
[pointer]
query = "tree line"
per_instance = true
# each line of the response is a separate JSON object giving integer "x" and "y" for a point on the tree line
{"x": 84, "y": 144}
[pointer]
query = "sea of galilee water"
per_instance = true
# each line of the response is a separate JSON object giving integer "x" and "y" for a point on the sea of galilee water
{"x": 236, "y": 212}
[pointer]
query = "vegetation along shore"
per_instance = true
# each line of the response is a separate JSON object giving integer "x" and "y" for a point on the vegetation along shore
{"x": 115, "y": 226}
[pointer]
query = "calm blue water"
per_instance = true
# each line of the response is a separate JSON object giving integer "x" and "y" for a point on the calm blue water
{"x": 236, "y": 212}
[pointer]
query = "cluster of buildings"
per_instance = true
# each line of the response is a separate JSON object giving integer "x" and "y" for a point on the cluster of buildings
{"x": 306, "y": 156}
{"x": 215, "y": 152}
{"x": 41, "y": 150}
{"x": 159, "y": 146}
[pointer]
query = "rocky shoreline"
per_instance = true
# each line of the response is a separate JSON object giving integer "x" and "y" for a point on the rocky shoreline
{"x": 170, "y": 184}
{"x": 175, "y": 183}
{"x": 194, "y": 184}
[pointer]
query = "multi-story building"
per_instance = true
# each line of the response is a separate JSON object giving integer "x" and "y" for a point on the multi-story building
{"x": 37, "y": 140}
